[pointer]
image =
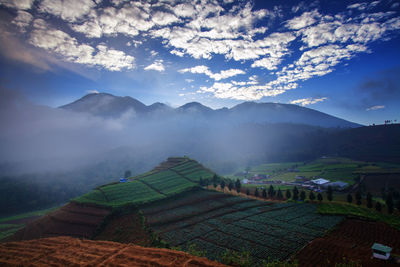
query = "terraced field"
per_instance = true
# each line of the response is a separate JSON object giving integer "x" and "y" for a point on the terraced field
{"x": 67, "y": 251}
{"x": 171, "y": 177}
{"x": 215, "y": 222}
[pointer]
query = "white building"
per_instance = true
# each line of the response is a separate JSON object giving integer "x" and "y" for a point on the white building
{"x": 380, "y": 251}
{"x": 320, "y": 181}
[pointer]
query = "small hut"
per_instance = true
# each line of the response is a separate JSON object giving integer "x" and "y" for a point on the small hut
{"x": 123, "y": 180}
{"x": 380, "y": 251}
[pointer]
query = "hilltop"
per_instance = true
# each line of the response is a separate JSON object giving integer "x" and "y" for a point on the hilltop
{"x": 107, "y": 105}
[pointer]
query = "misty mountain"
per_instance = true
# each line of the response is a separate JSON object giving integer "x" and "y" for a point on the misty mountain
{"x": 107, "y": 105}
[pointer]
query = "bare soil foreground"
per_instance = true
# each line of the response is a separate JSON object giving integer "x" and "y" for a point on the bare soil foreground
{"x": 351, "y": 241}
{"x": 68, "y": 251}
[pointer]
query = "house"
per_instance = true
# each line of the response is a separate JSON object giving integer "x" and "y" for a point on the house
{"x": 123, "y": 180}
{"x": 338, "y": 185}
{"x": 320, "y": 181}
{"x": 245, "y": 181}
{"x": 300, "y": 178}
{"x": 380, "y": 251}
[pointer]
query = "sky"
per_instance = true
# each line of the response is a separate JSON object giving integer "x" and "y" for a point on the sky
{"x": 338, "y": 57}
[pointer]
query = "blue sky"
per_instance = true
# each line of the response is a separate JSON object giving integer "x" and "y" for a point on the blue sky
{"x": 339, "y": 57}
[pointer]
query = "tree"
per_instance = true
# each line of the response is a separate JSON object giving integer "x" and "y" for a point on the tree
{"x": 369, "y": 200}
{"x": 238, "y": 185}
{"x": 302, "y": 195}
{"x": 295, "y": 193}
{"x": 264, "y": 193}
{"x": 222, "y": 184}
{"x": 329, "y": 193}
{"x": 311, "y": 196}
{"x": 271, "y": 191}
{"x": 206, "y": 182}
{"x": 279, "y": 194}
{"x": 389, "y": 203}
{"x": 230, "y": 185}
{"x": 378, "y": 206}
{"x": 247, "y": 192}
{"x": 349, "y": 198}
{"x": 201, "y": 182}
{"x": 288, "y": 194}
{"x": 319, "y": 197}
{"x": 128, "y": 173}
{"x": 215, "y": 179}
{"x": 256, "y": 192}
{"x": 358, "y": 197}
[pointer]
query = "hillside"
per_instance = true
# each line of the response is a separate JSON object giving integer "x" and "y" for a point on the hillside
{"x": 67, "y": 251}
{"x": 107, "y": 105}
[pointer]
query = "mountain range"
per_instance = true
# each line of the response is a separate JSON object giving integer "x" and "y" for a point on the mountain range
{"x": 110, "y": 106}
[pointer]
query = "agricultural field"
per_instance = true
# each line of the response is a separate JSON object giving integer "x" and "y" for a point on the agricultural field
{"x": 215, "y": 222}
{"x": 11, "y": 224}
{"x": 70, "y": 220}
{"x": 174, "y": 176}
{"x": 334, "y": 169}
{"x": 68, "y": 251}
{"x": 350, "y": 244}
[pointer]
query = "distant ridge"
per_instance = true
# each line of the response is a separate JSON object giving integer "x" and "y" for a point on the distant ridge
{"x": 107, "y": 105}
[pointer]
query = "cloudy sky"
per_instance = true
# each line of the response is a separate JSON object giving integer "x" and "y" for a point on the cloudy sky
{"x": 339, "y": 57}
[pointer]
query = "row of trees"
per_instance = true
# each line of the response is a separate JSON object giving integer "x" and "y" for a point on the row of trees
{"x": 378, "y": 206}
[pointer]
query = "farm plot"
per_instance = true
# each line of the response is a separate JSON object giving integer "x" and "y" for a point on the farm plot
{"x": 134, "y": 192}
{"x": 268, "y": 231}
{"x": 162, "y": 182}
{"x": 351, "y": 240}
{"x": 167, "y": 182}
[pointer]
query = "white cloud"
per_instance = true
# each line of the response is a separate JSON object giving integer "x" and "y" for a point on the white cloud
{"x": 66, "y": 9}
{"x": 306, "y": 19}
{"x": 375, "y": 108}
{"x": 92, "y": 92}
{"x": 23, "y": 20}
{"x": 157, "y": 66}
{"x": 17, "y": 4}
{"x": 153, "y": 53}
{"x": 69, "y": 49}
{"x": 308, "y": 101}
{"x": 189, "y": 80}
{"x": 201, "y": 69}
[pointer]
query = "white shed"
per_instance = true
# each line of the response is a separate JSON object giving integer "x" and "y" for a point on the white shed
{"x": 380, "y": 251}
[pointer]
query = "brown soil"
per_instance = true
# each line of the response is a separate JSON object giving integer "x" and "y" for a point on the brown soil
{"x": 68, "y": 251}
{"x": 350, "y": 241}
{"x": 126, "y": 229}
{"x": 70, "y": 220}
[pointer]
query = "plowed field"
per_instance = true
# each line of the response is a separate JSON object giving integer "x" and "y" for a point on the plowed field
{"x": 68, "y": 251}
{"x": 352, "y": 240}
{"x": 71, "y": 220}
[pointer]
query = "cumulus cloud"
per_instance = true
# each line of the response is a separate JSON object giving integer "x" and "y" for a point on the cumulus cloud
{"x": 66, "y": 9}
{"x": 17, "y": 4}
{"x": 71, "y": 50}
{"x": 307, "y": 101}
{"x": 375, "y": 108}
{"x": 23, "y": 20}
{"x": 157, "y": 66}
{"x": 306, "y": 19}
{"x": 201, "y": 69}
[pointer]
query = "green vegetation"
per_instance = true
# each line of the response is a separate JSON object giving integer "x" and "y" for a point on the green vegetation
{"x": 331, "y": 168}
{"x": 170, "y": 179}
{"x": 358, "y": 211}
{"x": 249, "y": 229}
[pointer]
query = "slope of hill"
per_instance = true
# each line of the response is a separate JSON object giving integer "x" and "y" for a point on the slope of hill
{"x": 174, "y": 176}
{"x": 67, "y": 251}
{"x": 107, "y": 105}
